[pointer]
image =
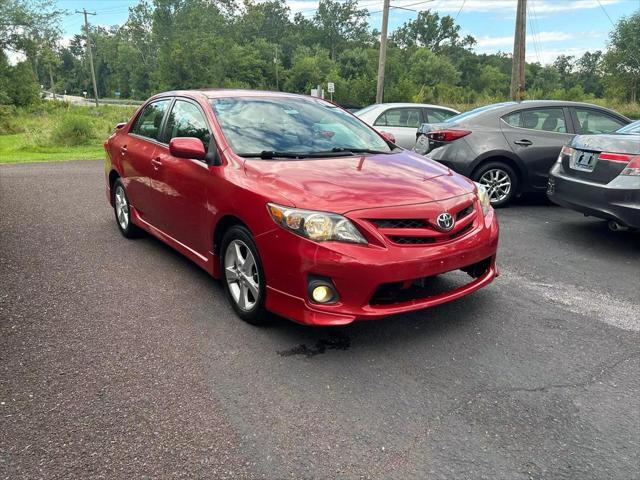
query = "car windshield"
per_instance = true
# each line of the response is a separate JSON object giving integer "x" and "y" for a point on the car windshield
{"x": 269, "y": 127}
{"x": 631, "y": 129}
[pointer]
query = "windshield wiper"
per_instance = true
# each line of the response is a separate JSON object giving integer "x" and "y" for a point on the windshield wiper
{"x": 357, "y": 150}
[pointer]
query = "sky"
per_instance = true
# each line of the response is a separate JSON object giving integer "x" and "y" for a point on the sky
{"x": 554, "y": 27}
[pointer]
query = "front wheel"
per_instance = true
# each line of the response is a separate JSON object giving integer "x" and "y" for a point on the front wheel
{"x": 242, "y": 275}
{"x": 500, "y": 181}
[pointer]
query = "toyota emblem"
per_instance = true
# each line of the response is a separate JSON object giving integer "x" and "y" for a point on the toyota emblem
{"x": 445, "y": 221}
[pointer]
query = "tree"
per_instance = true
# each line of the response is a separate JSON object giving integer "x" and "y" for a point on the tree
{"x": 432, "y": 32}
{"x": 623, "y": 58}
{"x": 339, "y": 22}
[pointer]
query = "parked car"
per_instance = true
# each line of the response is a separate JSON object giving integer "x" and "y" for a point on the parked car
{"x": 510, "y": 147}
{"x": 299, "y": 207}
{"x": 402, "y": 119}
{"x": 599, "y": 175}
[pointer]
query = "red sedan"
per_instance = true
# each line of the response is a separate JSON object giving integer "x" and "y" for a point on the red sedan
{"x": 299, "y": 207}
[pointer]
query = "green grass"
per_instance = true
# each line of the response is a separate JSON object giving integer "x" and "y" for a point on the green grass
{"x": 16, "y": 149}
{"x": 56, "y": 132}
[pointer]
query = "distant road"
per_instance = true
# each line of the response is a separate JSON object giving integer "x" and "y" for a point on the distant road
{"x": 89, "y": 102}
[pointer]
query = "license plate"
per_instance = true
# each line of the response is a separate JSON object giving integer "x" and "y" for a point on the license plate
{"x": 584, "y": 160}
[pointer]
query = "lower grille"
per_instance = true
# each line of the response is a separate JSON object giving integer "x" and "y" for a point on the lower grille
{"x": 421, "y": 288}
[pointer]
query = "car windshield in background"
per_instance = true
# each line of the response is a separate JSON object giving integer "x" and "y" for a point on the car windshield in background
{"x": 474, "y": 112}
{"x": 631, "y": 129}
{"x": 289, "y": 127}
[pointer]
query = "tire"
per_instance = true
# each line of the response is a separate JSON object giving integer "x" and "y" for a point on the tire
{"x": 242, "y": 275}
{"x": 122, "y": 211}
{"x": 496, "y": 174}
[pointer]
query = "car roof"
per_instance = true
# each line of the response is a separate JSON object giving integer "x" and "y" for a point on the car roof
{"x": 228, "y": 92}
{"x": 499, "y": 109}
{"x": 408, "y": 104}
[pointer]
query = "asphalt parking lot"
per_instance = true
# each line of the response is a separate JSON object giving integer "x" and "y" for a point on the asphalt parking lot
{"x": 121, "y": 359}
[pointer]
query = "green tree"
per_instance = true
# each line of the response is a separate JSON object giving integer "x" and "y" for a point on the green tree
{"x": 340, "y": 22}
{"x": 431, "y": 31}
{"x": 622, "y": 61}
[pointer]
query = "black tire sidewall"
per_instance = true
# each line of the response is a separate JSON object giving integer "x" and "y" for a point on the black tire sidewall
{"x": 506, "y": 169}
{"x": 258, "y": 315}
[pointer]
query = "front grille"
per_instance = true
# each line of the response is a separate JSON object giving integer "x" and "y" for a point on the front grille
{"x": 412, "y": 240}
{"x": 425, "y": 232}
{"x": 421, "y": 288}
{"x": 400, "y": 223}
{"x": 464, "y": 212}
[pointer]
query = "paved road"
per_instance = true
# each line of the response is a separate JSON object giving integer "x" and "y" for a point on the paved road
{"x": 120, "y": 359}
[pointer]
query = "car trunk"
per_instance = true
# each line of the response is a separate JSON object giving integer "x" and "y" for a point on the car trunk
{"x": 599, "y": 158}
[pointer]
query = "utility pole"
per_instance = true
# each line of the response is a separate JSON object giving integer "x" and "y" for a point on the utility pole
{"x": 275, "y": 60}
{"x": 383, "y": 52}
{"x": 93, "y": 71}
{"x": 519, "y": 41}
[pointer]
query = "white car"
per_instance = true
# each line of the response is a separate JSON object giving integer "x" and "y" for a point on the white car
{"x": 403, "y": 119}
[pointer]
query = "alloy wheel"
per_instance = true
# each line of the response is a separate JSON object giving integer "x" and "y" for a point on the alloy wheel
{"x": 241, "y": 275}
{"x": 122, "y": 207}
{"x": 498, "y": 184}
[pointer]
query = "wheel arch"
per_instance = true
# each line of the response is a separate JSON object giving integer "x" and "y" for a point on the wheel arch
{"x": 222, "y": 225}
{"x": 113, "y": 176}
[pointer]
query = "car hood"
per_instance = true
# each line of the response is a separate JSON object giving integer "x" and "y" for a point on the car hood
{"x": 615, "y": 143}
{"x": 344, "y": 184}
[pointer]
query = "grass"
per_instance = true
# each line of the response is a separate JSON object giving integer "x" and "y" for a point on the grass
{"x": 57, "y": 132}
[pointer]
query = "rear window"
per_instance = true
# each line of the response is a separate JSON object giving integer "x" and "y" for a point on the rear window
{"x": 476, "y": 111}
{"x": 545, "y": 119}
{"x": 631, "y": 129}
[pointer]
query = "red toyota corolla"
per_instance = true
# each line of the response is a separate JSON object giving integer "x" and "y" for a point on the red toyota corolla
{"x": 299, "y": 207}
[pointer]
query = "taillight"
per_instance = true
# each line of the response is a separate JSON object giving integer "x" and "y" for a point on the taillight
{"x": 447, "y": 135}
{"x": 566, "y": 151}
{"x": 615, "y": 157}
{"x": 633, "y": 167}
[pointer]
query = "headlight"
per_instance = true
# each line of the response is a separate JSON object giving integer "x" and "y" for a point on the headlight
{"x": 483, "y": 198}
{"x": 316, "y": 226}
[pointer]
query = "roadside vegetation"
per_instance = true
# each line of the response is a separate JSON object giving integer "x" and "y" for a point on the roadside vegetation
{"x": 251, "y": 44}
{"x": 51, "y": 131}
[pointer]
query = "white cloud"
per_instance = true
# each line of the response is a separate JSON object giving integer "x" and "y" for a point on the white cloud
{"x": 540, "y": 6}
{"x": 543, "y": 37}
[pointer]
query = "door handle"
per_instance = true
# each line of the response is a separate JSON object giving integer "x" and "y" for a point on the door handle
{"x": 156, "y": 163}
{"x": 524, "y": 142}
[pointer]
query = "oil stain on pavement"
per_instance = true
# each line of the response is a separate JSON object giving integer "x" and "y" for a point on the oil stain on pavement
{"x": 336, "y": 341}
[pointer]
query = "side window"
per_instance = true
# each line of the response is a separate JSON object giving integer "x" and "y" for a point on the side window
{"x": 439, "y": 116}
{"x": 187, "y": 120}
{"x": 400, "y": 117}
{"x": 546, "y": 119}
{"x": 592, "y": 121}
{"x": 149, "y": 122}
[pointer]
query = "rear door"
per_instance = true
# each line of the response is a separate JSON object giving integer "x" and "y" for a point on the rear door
{"x": 181, "y": 183}
{"x": 137, "y": 151}
{"x": 537, "y": 135}
{"x": 402, "y": 122}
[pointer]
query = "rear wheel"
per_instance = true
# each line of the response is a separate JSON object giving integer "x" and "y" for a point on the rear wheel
{"x": 122, "y": 211}
{"x": 500, "y": 181}
{"x": 242, "y": 275}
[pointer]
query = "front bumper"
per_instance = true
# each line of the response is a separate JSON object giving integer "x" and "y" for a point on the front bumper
{"x": 358, "y": 271}
{"x": 618, "y": 200}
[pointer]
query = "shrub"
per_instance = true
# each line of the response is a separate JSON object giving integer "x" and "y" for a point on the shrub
{"x": 9, "y": 123}
{"x": 72, "y": 130}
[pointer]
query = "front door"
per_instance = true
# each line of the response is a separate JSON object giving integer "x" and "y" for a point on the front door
{"x": 537, "y": 135}
{"x": 180, "y": 184}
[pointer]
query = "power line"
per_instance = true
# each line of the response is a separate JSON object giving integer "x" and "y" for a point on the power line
{"x": 605, "y": 12}
{"x": 461, "y": 7}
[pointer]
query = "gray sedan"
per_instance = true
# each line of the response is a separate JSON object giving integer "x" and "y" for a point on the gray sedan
{"x": 510, "y": 147}
{"x": 599, "y": 175}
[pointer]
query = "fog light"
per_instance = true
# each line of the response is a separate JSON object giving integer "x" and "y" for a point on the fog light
{"x": 321, "y": 294}
{"x": 321, "y": 290}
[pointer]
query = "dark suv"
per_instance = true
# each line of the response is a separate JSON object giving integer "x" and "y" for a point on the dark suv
{"x": 510, "y": 147}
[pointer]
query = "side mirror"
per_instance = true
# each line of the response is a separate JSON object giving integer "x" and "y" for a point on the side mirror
{"x": 187, "y": 147}
{"x": 120, "y": 126}
{"x": 389, "y": 137}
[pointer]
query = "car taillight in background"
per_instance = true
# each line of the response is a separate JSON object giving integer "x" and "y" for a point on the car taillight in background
{"x": 447, "y": 135}
{"x": 565, "y": 152}
{"x": 632, "y": 161}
